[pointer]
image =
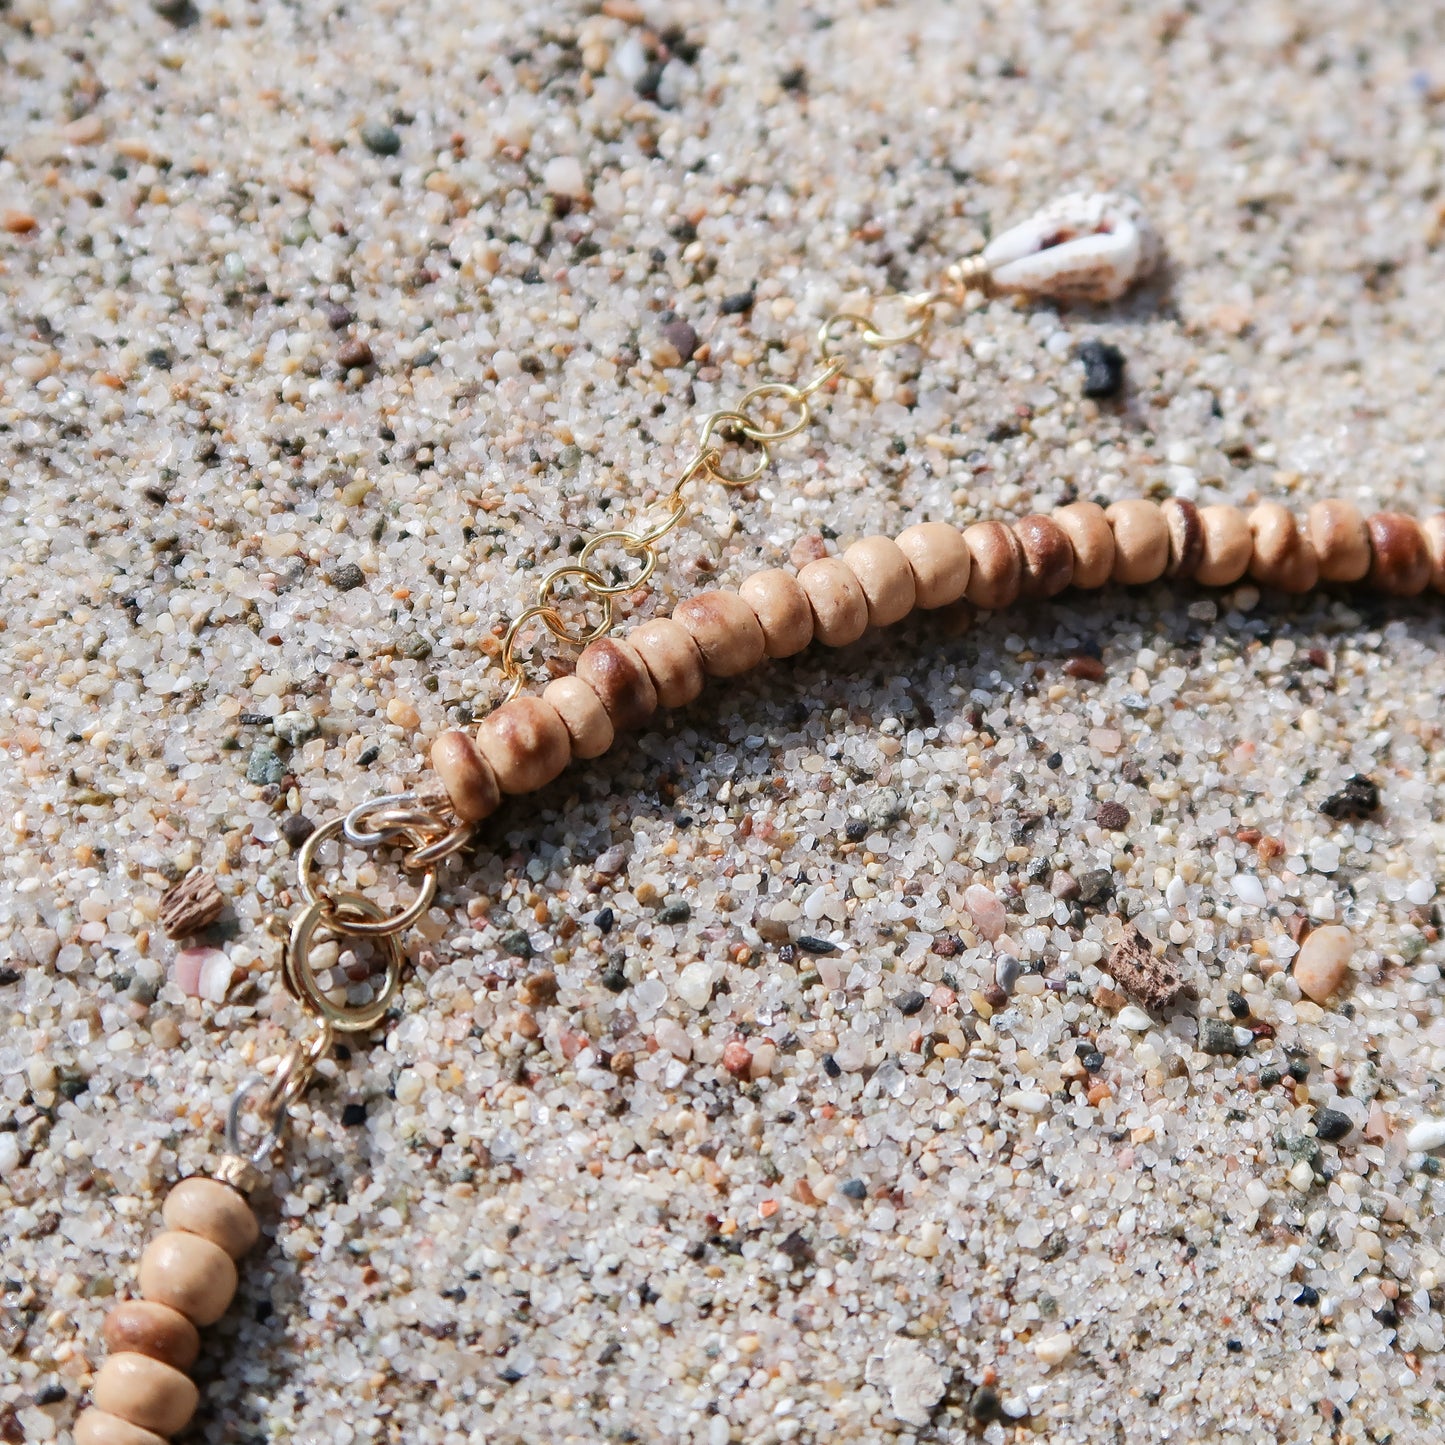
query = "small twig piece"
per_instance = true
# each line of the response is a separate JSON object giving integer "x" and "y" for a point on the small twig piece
{"x": 193, "y": 903}
{"x": 1154, "y": 981}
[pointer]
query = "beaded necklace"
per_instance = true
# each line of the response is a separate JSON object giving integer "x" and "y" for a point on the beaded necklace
{"x": 1084, "y": 248}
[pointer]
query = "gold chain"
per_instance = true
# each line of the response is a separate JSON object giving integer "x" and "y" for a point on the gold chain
{"x": 740, "y": 424}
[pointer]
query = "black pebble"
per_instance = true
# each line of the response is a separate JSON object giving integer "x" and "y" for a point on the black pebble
{"x": 353, "y": 1115}
{"x": 855, "y": 830}
{"x": 1357, "y": 799}
{"x": 854, "y": 1189}
{"x": 1238, "y": 1005}
{"x": 1299, "y": 1070}
{"x": 796, "y": 1248}
{"x": 985, "y": 1405}
{"x": 369, "y": 756}
{"x": 675, "y": 913}
{"x": 159, "y": 357}
{"x": 819, "y": 946}
{"x": 830, "y": 1067}
{"x": 737, "y": 303}
{"x": 347, "y": 577}
{"x": 1308, "y": 1295}
{"x": 910, "y": 1003}
{"x": 509, "y": 1375}
{"x": 50, "y": 1395}
{"x": 380, "y": 140}
{"x": 517, "y": 944}
{"x": 297, "y": 829}
{"x": 1331, "y": 1125}
{"x": 1235, "y": 1347}
{"x": 605, "y": 920}
{"x": 9, "y": 976}
{"x": 1103, "y": 368}
{"x": 1269, "y": 1077}
{"x": 1093, "y": 1062}
{"x": 1095, "y": 885}
{"x": 614, "y": 981}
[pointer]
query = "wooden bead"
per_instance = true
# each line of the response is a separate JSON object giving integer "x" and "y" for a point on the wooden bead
{"x": 147, "y": 1328}
{"x": 467, "y": 776}
{"x": 1283, "y": 556}
{"x": 886, "y": 578}
{"x": 1228, "y": 546}
{"x": 1141, "y": 541}
{"x": 526, "y": 744}
{"x": 1400, "y": 564}
{"x": 146, "y": 1392}
{"x": 1186, "y": 538}
{"x": 1434, "y": 530}
{"x": 840, "y": 610}
{"x": 188, "y": 1273}
{"x": 214, "y": 1211}
{"x": 782, "y": 610}
{"x": 671, "y": 658}
{"x": 1088, "y": 529}
{"x": 614, "y": 671}
{"x": 1341, "y": 540}
{"x": 1048, "y": 557}
{"x": 940, "y": 560}
{"x": 996, "y": 569}
{"x": 582, "y": 715}
{"x": 726, "y": 630}
{"x": 100, "y": 1427}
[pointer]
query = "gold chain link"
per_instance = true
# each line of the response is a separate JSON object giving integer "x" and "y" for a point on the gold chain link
{"x": 740, "y": 425}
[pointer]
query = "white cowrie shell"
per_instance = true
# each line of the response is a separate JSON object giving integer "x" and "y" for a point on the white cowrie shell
{"x": 1080, "y": 248}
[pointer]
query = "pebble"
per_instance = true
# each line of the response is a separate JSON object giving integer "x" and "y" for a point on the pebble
{"x": 1357, "y": 799}
{"x": 1026, "y": 1101}
{"x": 694, "y": 985}
{"x": 1323, "y": 961}
{"x": 347, "y": 577}
{"x": 1302, "y": 1176}
{"x": 562, "y": 176}
{"x": 202, "y": 973}
{"x": 910, "y": 1003}
{"x": 737, "y": 1058}
{"x": 403, "y": 713}
{"x": 264, "y": 767}
{"x": 380, "y": 139}
{"x": 1249, "y": 890}
{"x": 1064, "y": 886}
{"x": 915, "y": 1381}
{"x": 1103, "y": 369}
{"x": 985, "y": 910}
{"x": 1217, "y": 1036}
{"x": 1133, "y": 1018}
{"x": 1006, "y": 972}
{"x": 1331, "y": 1125}
{"x": 1095, "y": 885}
{"x": 1425, "y": 1135}
{"x": 1112, "y": 817}
{"x": 354, "y": 354}
{"x": 296, "y": 728}
{"x": 1054, "y": 1349}
{"x": 671, "y": 1036}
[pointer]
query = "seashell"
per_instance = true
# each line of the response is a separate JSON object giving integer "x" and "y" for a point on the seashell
{"x": 1080, "y": 248}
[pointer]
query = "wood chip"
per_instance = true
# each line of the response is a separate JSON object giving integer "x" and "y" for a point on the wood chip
{"x": 1154, "y": 981}
{"x": 192, "y": 904}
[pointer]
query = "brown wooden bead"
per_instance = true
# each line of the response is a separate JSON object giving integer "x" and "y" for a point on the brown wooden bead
{"x": 214, "y": 1211}
{"x": 582, "y": 715}
{"x": 467, "y": 776}
{"x": 1434, "y": 530}
{"x": 1341, "y": 540}
{"x": 886, "y": 578}
{"x": 782, "y": 610}
{"x": 1228, "y": 546}
{"x": 1283, "y": 556}
{"x": 1141, "y": 541}
{"x": 147, "y": 1328}
{"x": 996, "y": 570}
{"x": 840, "y": 610}
{"x": 188, "y": 1273}
{"x": 726, "y": 630}
{"x": 614, "y": 671}
{"x": 146, "y": 1392}
{"x": 671, "y": 658}
{"x": 1048, "y": 557}
{"x": 526, "y": 744}
{"x": 1088, "y": 530}
{"x": 1400, "y": 563}
{"x": 1186, "y": 538}
{"x": 940, "y": 560}
{"x": 100, "y": 1427}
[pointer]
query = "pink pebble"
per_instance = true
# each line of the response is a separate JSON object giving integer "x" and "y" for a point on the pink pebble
{"x": 202, "y": 973}
{"x": 985, "y": 909}
{"x": 737, "y": 1058}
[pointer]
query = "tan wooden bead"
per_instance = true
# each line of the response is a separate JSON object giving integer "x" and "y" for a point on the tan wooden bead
{"x": 996, "y": 570}
{"x": 726, "y": 630}
{"x": 940, "y": 560}
{"x": 582, "y": 715}
{"x": 1228, "y": 546}
{"x": 1047, "y": 554}
{"x": 1341, "y": 540}
{"x": 188, "y": 1273}
{"x": 1088, "y": 529}
{"x": 467, "y": 776}
{"x": 614, "y": 671}
{"x": 840, "y": 610}
{"x": 671, "y": 658}
{"x": 1400, "y": 564}
{"x": 146, "y": 1392}
{"x": 1283, "y": 556}
{"x": 526, "y": 743}
{"x": 147, "y": 1328}
{"x": 782, "y": 610}
{"x": 1186, "y": 538}
{"x": 1434, "y": 530}
{"x": 883, "y": 573}
{"x": 1141, "y": 541}
{"x": 100, "y": 1427}
{"x": 214, "y": 1211}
